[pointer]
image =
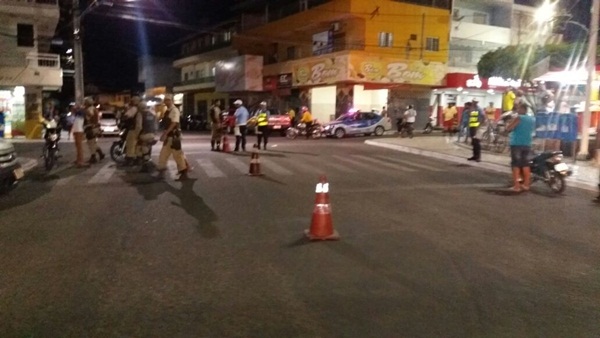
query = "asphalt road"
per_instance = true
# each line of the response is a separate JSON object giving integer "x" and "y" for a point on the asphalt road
{"x": 427, "y": 249}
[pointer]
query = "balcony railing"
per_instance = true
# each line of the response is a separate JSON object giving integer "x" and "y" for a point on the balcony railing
{"x": 43, "y": 60}
{"x": 202, "y": 80}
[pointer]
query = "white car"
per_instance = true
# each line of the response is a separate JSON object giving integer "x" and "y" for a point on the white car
{"x": 109, "y": 124}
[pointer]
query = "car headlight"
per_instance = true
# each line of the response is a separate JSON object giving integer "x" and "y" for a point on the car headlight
{"x": 327, "y": 127}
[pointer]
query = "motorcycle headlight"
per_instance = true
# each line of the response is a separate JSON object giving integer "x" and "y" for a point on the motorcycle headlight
{"x": 556, "y": 159}
{"x": 53, "y": 137}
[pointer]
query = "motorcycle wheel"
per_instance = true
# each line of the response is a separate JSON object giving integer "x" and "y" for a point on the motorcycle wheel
{"x": 316, "y": 134}
{"x": 557, "y": 182}
{"x": 291, "y": 133}
{"x": 49, "y": 158}
{"x": 117, "y": 152}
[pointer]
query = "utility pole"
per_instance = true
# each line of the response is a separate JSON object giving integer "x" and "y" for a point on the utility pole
{"x": 77, "y": 53}
{"x": 591, "y": 59}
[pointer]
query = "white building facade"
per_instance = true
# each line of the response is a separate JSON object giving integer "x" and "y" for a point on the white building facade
{"x": 26, "y": 67}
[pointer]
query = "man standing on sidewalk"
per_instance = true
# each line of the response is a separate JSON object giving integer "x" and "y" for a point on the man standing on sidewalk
{"x": 463, "y": 126}
{"x": 521, "y": 128}
{"x": 449, "y": 116}
{"x": 476, "y": 119}
{"x": 241, "y": 121}
{"x": 215, "y": 126}
{"x": 411, "y": 116}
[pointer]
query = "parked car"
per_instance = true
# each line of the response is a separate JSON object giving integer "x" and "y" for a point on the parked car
{"x": 279, "y": 122}
{"x": 109, "y": 124}
{"x": 355, "y": 123}
{"x": 10, "y": 169}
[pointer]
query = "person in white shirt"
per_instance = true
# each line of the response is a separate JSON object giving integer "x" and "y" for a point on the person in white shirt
{"x": 410, "y": 116}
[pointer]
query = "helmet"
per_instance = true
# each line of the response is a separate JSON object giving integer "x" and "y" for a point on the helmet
{"x": 264, "y": 103}
{"x": 304, "y": 108}
{"x": 238, "y": 102}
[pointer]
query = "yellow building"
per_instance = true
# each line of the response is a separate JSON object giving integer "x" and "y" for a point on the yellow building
{"x": 352, "y": 53}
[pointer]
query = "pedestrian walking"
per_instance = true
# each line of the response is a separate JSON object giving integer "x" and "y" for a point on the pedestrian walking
{"x": 78, "y": 134}
{"x": 410, "y": 115}
{"x": 476, "y": 119}
{"x": 399, "y": 120}
{"x": 521, "y": 130}
{"x": 262, "y": 122}
{"x": 133, "y": 124}
{"x": 171, "y": 138}
{"x": 92, "y": 130}
{"x": 216, "y": 126}
{"x": 449, "y": 116}
{"x": 307, "y": 119}
{"x": 241, "y": 121}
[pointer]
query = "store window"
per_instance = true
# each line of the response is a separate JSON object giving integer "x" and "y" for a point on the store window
{"x": 386, "y": 39}
{"x": 432, "y": 44}
{"x": 25, "y": 35}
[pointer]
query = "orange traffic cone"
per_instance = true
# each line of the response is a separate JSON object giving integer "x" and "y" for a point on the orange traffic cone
{"x": 321, "y": 225}
{"x": 254, "y": 165}
{"x": 226, "y": 147}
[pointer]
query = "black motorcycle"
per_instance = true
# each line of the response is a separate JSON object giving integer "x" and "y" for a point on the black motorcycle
{"x": 550, "y": 168}
{"x": 315, "y": 132}
{"x": 117, "y": 150}
{"x": 51, "y": 136}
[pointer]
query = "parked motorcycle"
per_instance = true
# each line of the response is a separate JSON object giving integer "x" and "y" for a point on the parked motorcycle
{"x": 550, "y": 168}
{"x": 51, "y": 135}
{"x": 117, "y": 150}
{"x": 316, "y": 130}
{"x": 429, "y": 126}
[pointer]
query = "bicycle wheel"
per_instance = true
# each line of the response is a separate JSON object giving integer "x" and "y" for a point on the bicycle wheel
{"x": 486, "y": 141}
{"x": 500, "y": 145}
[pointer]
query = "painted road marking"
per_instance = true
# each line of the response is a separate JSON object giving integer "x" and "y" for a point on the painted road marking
{"x": 383, "y": 163}
{"x": 409, "y": 163}
{"x": 276, "y": 168}
{"x": 239, "y": 165}
{"x": 104, "y": 174}
{"x": 210, "y": 169}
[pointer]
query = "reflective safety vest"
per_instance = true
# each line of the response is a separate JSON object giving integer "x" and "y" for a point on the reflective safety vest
{"x": 262, "y": 119}
{"x": 474, "y": 119}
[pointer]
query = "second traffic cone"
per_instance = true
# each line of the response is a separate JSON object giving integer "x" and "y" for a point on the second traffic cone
{"x": 321, "y": 225}
{"x": 254, "y": 165}
{"x": 226, "y": 146}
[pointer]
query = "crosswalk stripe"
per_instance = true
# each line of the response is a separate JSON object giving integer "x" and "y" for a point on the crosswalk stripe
{"x": 238, "y": 164}
{"x": 303, "y": 166}
{"x": 417, "y": 165}
{"x": 355, "y": 163}
{"x": 210, "y": 168}
{"x": 172, "y": 170}
{"x": 339, "y": 167}
{"x": 383, "y": 163}
{"x": 104, "y": 174}
{"x": 276, "y": 168}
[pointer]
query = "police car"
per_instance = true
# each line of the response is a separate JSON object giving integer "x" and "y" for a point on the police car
{"x": 355, "y": 123}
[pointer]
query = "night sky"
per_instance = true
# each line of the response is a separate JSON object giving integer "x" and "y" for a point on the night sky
{"x": 112, "y": 43}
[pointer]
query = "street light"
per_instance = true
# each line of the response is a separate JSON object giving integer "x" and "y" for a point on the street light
{"x": 545, "y": 13}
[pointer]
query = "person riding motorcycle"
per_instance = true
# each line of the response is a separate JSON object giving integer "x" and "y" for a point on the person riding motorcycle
{"x": 132, "y": 122}
{"x": 307, "y": 119}
{"x": 146, "y": 138}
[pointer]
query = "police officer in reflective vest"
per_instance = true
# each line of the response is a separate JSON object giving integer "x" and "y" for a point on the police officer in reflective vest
{"x": 171, "y": 138}
{"x": 262, "y": 122}
{"x": 476, "y": 120}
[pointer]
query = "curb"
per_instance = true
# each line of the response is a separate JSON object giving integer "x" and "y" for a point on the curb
{"x": 27, "y": 163}
{"x": 505, "y": 169}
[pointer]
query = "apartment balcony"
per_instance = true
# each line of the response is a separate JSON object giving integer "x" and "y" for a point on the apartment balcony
{"x": 33, "y": 8}
{"x": 35, "y": 69}
{"x": 481, "y": 33}
{"x": 195, "y": 84}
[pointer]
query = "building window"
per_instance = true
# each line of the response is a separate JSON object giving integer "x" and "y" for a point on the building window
{"x": 432, "y": 44}
{"x": 291, "y": 53}
{"x": 480, "y": 18}
{"x": 386, "y": 39}
{"x": 25, "y": 35}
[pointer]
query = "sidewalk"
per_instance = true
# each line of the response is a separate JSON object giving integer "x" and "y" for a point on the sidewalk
{"x": 585, "y": 174}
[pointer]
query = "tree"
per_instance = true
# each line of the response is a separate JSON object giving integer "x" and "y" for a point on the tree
{"x": 515, "y": 62}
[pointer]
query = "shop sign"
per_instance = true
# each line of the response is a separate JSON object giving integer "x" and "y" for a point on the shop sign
{"x": 475, "y": 82}
{"x": 284, "y": 80}
{"x": 496, "y": 81}
{"x": 321, "y": 71}
{"x": 388, "y": 70}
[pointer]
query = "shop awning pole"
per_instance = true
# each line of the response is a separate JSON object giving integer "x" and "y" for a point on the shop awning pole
{"x": 591, "y": 59}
